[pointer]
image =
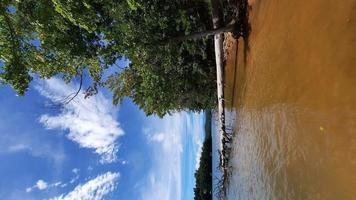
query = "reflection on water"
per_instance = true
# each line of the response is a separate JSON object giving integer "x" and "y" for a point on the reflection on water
{"x": 295, "y": 101}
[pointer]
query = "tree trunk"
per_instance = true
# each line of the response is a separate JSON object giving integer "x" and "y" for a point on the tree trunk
{"x": 218, "y": 42}
{"x": 228, "y": 28}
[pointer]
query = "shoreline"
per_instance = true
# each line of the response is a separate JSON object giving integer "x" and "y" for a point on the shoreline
{"x": 222, "y": 57}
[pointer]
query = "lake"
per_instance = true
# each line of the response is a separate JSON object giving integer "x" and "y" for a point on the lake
{"x": 292, "y": 87}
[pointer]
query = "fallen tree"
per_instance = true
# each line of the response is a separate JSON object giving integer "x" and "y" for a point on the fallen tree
{"x": 219, "y": 59}
{"x": 240, "y": 29}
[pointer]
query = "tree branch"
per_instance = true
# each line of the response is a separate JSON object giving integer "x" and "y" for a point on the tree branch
{"x": 77, "y": 92}
{"x": 13, "y": 39}
{"x": 228, "y": 28}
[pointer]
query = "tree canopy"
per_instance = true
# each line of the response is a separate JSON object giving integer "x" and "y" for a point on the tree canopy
{"x": 64, "y": 38}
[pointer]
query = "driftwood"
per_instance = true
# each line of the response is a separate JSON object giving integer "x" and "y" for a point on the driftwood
{"x": 219, "y": 58}
{"x": 242, "y": 29}
{"x": 225, "y": 138}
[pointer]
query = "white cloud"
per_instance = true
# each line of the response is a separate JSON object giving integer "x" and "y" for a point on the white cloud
{"x": 90, "y": 122}
{"x": 198, "y": 155}
{"x": 40, "y": 184}
{"x": 75, "y": 170}
{"x": 34, "y": 146}
{"x": 94, "y": 189}
{"x": 197, "y": 127}
{"x": 56, "y": 184}
{"x": 17, "y": 147}
{"x": 168, "y": 137}
{"x": 75, "y": 178}
{"x": 164, "y": 179}
{"x": 43, "y": 185}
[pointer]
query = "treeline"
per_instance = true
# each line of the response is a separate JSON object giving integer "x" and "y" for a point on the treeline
{"x": 203, "y": 176}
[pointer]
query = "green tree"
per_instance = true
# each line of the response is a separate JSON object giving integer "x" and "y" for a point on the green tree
{"x": 168, "y": 71}
{"x": 37, "y": 38}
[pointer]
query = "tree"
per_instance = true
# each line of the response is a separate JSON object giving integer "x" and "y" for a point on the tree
{"x": 63, "y": 38}
{"x": 36, "y": 38}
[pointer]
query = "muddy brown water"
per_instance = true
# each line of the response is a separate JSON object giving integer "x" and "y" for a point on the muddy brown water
{"x": 294, "y": 93}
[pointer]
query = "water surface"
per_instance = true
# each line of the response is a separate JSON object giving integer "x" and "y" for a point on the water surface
{"x": 294, "y": 93}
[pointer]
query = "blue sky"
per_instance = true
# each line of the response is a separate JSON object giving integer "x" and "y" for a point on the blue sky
{"x": 90, "y": 149}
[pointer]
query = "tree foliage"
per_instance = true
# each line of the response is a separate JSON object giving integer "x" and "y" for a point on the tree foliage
{"x": 63, "y": 38}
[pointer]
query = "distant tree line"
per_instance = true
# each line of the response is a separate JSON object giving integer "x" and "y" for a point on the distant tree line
{"x": 203, "y": 175}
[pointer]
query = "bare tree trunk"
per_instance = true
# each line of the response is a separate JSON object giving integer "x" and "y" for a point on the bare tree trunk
{"x": 218, "y": 42}
{"x": 228, "y": 28}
